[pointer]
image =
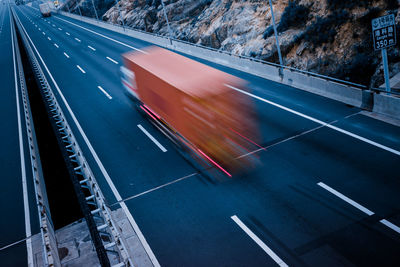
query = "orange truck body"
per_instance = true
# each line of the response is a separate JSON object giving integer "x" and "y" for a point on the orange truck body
{"x": 196, "y": 101}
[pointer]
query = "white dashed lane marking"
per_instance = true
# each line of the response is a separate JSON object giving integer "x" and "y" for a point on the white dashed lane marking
{"x": 112, "y": 60}
{"x": 82, "y": 70}
{"x": 104, "y": 92}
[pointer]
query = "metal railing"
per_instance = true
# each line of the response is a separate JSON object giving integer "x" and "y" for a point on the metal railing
{"x": 49, "y": 248}
{"x": 170, "y": 38}
{"x": 106, "y": 236}
{"x": 309, "y": 73}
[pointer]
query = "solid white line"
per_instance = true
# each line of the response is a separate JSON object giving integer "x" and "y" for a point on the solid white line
{"x": 28, "y": 232}
{"x": 104, "y": 36}
{"x": 104, "y": 92}
{"x": 112, "y": 60}
{"x": 94, "y": 49}
{"x": 348, "y": 200}
{"x": 65, "y": 54}
{"x": 152, "y": 138}
{"x": 99, "y": 163}
{"x": 318, "y": 121}
{"x": 77, "y": 39}
{"x": 67, "y": 33}
{"x": 79, "y": 67}
{"x": 391, "y": 225}
{"x": 56, "y": 45}
{"x": 259, "y": 242}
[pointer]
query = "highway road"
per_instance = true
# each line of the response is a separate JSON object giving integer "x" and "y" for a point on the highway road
{"x": 327, "y": 193}
{"x": 17, "y": 200}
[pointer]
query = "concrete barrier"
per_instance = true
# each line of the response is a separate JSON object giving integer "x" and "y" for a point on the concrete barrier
{"x": 334, "y": 90}
{"x": 387, "y": 104}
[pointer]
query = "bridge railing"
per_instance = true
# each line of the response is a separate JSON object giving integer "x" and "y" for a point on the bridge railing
{"x": 330, "y": 78}
{"x": 173, "y": 42}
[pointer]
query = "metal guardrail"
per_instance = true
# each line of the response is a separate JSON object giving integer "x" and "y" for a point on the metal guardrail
{"x": 106, "y": 236}
{"x": 49, "y": 247}
{"x": 329, "y": 78}
{"x": 308, "y": 73}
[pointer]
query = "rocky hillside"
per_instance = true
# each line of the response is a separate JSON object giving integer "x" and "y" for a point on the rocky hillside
{"x": 331, "y": 37}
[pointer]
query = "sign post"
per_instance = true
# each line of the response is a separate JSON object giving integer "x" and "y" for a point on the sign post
{"x": 166, "y": 18}
{"x": 384, "y": 34}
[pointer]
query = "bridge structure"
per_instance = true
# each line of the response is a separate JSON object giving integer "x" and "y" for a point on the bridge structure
{"x": 326, "y": 194}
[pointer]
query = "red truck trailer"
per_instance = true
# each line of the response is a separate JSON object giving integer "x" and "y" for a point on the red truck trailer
{"x": 196, "y": 104}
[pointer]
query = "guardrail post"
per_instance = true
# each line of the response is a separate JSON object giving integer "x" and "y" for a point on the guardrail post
{"x": 79, "y": 9}
{"x": 95, "y": 11}
{"x": 69, "y": 11}
{"x": 166, "y": 18}
{"x": 277, "y": 40}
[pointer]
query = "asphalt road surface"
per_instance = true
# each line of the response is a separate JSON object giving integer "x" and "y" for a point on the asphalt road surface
{"x": 327, "y": 192}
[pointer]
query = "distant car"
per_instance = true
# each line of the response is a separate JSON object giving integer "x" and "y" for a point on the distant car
{"x": 45, "y": 10}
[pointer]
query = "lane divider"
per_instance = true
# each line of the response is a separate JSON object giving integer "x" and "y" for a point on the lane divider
{"x": 82, "y": 70}
{"x": 358, "y": 206}
{"x": 259, "y": 242}
{"x": 163, "y": 149}
{"x": 112, "y": 60}
{"x": 104, "y": 92}
{"x": 102, "y": 35}
{"x": 363, "y": 139}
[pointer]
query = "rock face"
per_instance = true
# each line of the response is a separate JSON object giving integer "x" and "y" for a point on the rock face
{"x": 331, "y": 37}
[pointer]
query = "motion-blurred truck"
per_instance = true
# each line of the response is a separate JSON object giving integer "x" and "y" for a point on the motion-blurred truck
{"x": 198, "y": 107}
{"x": 45, "y": 10}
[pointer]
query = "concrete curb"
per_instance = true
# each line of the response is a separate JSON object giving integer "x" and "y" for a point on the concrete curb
{"x": 340, "y": 92}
